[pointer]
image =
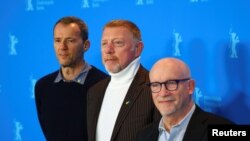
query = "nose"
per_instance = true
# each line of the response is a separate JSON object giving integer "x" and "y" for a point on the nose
{"x": 63, "y": 45}
{"x": 109, "y": 48}
{"x": 164, "y": 91}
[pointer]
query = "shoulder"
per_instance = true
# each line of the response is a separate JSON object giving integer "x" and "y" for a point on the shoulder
{"x": 217, "y": 119}
{"x": 95, "y": 75}
{"x": 142, "y": 74}
{"x": 143, "y": 70}
{"x": 100, "y": 84}
{"x": 47, "y": 79}
{"x": 44, "y": 83}
{"x": 95, "y": 71}
{"x": 211, "y": 118}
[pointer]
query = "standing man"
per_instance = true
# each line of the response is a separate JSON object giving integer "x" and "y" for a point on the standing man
{"x": 61, "y": 96}
{"x": 119, "y": 106}
{"x": 182, "y": 120}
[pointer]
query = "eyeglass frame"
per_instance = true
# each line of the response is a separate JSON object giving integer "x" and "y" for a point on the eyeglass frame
{"x": 166, "y": 83}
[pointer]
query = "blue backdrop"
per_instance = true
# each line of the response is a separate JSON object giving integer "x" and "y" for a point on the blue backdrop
{"x": 212, "y": 36}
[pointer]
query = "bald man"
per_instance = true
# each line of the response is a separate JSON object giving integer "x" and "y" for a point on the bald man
{"x": 172, "y": 87}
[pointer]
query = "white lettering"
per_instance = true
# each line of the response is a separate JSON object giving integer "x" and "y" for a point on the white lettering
{"x": 216, "y": 132}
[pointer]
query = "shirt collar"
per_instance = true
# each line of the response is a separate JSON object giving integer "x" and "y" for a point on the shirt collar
{"x": 183, "y": 123}
{"x": 78, "y": 79}
{"x": 161, "y": 126}
{"x": 127, "y": 73}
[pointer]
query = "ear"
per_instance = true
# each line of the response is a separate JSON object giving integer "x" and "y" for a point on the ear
{"x": 191, "y": 86}
{"x": 86, "y": 45}
{"x": 139, "y": 48}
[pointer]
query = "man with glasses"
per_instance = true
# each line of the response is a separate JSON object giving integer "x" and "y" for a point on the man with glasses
{"x": 172, "y": 88}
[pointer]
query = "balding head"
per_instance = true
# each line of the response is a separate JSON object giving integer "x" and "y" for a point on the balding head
{"x": 169, "y": 68}
{"x": 172, "y": 88}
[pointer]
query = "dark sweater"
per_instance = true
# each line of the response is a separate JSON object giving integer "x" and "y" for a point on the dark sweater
{"x": 61, "y": 107}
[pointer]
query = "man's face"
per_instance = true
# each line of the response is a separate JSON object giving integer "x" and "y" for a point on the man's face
{"x": 170, "y": 102}
{"x": 68, "y": 44}
{"x": 119, "y": 48}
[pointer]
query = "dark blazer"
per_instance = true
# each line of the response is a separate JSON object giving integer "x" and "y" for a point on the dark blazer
{"x": 136, "y": 112}
{"x": 196, "y": 129}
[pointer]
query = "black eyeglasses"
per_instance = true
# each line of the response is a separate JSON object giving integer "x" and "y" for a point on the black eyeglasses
{"x": 170, "y": 85}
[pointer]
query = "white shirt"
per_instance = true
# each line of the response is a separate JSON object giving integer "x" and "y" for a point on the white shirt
{"x": 113, "y": 99}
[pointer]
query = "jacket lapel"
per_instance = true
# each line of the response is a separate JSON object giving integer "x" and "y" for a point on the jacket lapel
{"x": 196, "y": 129}
{"x": 154, "y": 133}
{"x": 133, "y": 92}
